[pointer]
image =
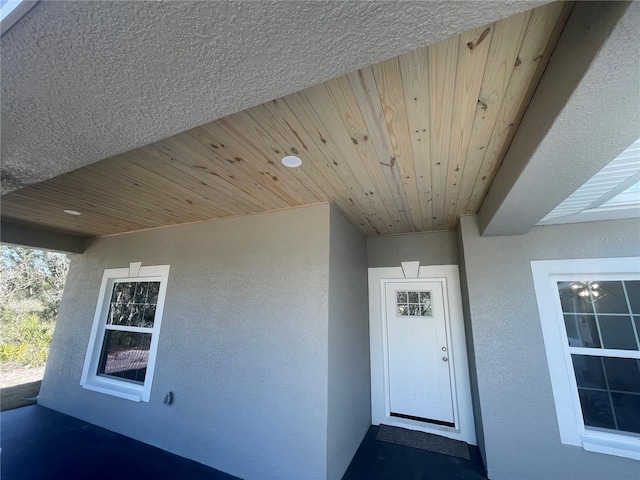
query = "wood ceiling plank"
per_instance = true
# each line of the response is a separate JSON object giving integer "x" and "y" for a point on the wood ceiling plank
{"x": 199, "y": 177}
{"x": 264, "y": 162}
{"x": 358, "y": 188}
{"x": 152, "y": 178}
{"x": 355, "y": 132}
{"x": 46, "y": 200}
{"x": 505, "y": 43}
{"x": 442, "y": 77}
{"x": 280, "y": 122}
{"x": 363, "y": 85}
{"x": 545, "y": 25}
{"x": 96, "y": 198}
{"x": 273, "y": 145}
{"x": 389, "y": 85}
{"x": 195, "y": 149}
{"x": 473, "y": 48}
{"x": 43, "y": 212}
{"x": 414, "y": 68}
{"x": 329, "y": 101}
{"x": 124, "y": 191}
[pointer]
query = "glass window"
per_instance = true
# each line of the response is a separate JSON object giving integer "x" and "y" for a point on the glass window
{"x": 122, "y": 350}
{"x": 415, "y": 304}
{"x": 608, "y": 383}
{"x": 590, "y": 318}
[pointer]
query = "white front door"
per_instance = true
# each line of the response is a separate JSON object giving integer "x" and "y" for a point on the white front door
{"x": 418, "y": 352}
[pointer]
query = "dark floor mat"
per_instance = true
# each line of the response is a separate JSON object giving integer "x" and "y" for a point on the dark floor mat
{"x": 424, "y": 441}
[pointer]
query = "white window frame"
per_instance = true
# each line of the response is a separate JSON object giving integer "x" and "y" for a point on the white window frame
{"x": 546, "y": 274}
{"x": 111, "y": 385}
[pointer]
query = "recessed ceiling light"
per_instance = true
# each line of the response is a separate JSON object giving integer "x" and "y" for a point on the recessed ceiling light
{"x": 72, "y": 212}
{"x": 291, "y": 161}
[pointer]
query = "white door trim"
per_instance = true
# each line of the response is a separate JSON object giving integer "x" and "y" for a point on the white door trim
{"x": 461, "y": 389}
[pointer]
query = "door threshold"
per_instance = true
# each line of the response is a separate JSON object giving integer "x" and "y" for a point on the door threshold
{"x": 422, "y": 419}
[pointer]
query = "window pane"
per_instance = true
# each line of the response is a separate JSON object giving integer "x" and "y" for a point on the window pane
{"x": 149, "y": 316}
{"x": 425, "y": 299}
{"x": 125, "y": 355}
{"x": 633, "y": 292}
{"x": 627, "y": 409}
{"x": 117, "y": 292}
{"x": 413, "y": 297}
{"x": 141, "y": 292}
{"x": 152, "y": 293}
{"x": 582, "y": 331}
{"x": 596, "y": 408}
{"x": 402, "y": 297}
{"x": 617, "y": 332}
{"x": 623, "y": 374}
{"x": 573, "y": 299}
{"x": 610, "y": 298}
{"x": 589, "y": 372}
{"x": 119, "y": 314}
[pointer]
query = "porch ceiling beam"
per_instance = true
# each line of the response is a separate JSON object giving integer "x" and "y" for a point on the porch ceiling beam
{"x": 29, "y": 236}
{"x": 582, "y": 115}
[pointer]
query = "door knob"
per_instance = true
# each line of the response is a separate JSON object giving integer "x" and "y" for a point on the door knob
{"x": 445, "y": 359}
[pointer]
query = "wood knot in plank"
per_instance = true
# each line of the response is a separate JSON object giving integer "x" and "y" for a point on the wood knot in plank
{"x": 483, "y": 105}
{"x": 482, "y": 36}
{"x": 518, "y": 62}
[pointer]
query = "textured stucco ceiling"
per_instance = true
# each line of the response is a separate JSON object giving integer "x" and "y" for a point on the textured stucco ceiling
{"x": 82, "y": 81}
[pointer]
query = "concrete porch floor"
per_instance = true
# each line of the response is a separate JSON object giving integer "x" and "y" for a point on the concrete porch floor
{"x": 39, "y": 443}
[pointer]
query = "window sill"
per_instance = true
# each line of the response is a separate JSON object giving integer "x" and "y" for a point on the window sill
{"x": 116, "y": 389}
{"x": 611, "y": 444}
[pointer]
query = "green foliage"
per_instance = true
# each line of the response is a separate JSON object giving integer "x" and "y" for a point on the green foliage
{"x": 30, "y": 291}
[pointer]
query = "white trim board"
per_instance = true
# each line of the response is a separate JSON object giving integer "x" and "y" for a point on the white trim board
{"x": 464, "y": 429}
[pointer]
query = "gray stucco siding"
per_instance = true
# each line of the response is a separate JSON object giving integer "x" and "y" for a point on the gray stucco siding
{"x": 243, "y": 344}
{"x": 349, "y": 385}
{"x": 432, "y": 248}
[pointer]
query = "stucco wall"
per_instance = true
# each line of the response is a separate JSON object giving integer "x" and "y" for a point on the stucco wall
{"x": 349, "y": 394}
{"x": 471, "y": 355}
{"x": 243, "y": 344}
{"x": 434, "y": 248}
{"x": 521, "y": 436}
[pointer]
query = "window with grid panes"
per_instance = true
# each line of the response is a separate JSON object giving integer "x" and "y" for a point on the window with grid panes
{"x": 590, "y": 317}
{"x": 602, "y": 320}
{"x": 122, "y": 349}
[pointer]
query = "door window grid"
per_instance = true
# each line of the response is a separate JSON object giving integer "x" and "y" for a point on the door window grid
{"x": 608, "y": 385}
{"x": 414, "y": 303}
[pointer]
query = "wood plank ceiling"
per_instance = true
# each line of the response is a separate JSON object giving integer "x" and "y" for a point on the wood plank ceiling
{"x": 407, "y": 145}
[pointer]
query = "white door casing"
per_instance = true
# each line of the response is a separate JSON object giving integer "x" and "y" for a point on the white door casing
{"x": 418, "y": 351}
{"x": 447, "y": 280}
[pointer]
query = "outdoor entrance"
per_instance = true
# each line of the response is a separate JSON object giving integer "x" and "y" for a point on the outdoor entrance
{"x": 418, "y": 352}
{"x": 419, "y": 369}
